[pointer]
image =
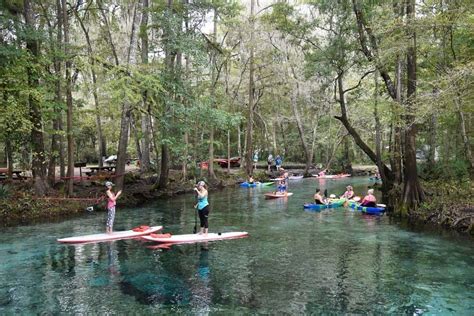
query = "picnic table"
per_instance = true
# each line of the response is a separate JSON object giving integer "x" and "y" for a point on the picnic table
{"x": 95, "y": 170}
{"x": 17, "y": 173}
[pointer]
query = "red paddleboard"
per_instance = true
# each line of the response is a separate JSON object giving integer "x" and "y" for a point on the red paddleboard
{"x": 193, "y": 238}
{"x": 112, "y": 236}
{"x": 276, "y": 195}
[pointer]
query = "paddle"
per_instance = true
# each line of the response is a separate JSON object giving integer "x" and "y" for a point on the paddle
{"x": 195, "y": 218}
{"x": 195, "y": 221}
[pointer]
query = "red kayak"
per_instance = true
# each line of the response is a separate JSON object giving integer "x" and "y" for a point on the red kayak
{"x": 277, "y": 195}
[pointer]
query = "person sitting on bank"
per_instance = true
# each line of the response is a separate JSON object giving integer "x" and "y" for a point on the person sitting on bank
{"x": 369, "y": 200}
{"x": 318, "y": 199}
{"x": 349, "y": 194}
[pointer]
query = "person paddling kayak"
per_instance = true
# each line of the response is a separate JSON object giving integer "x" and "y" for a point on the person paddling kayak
{"x": 369, "y": 200}
{"x": 349, "y": 194}
{"x": 318, "y": 199}
{"x": 112, "y": 198}
{"x": 202, "y": 207}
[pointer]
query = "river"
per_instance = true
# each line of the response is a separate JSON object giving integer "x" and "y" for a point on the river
{"x": 294, "y": 262}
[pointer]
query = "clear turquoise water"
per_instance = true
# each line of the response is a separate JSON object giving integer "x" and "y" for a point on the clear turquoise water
{"x": 294, "y": 262}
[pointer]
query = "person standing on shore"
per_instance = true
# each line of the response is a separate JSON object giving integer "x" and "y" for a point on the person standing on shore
{"x": 202, "y": 207}
{"x": 111, "y": 202}
{"x": 278, "y": 162}
{"x": 270, "y": 162}
{"x": 255, "y": 159}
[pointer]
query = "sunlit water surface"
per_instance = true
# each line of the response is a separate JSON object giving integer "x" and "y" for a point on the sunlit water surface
{"x": 295, "y": 262}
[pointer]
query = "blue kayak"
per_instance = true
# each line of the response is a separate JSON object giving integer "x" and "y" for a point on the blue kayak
{"x": 375, "y": 179}
{"x": 332, "y": 204}
{"x": 253, "y": 185}
{"x": 367, "y": 209}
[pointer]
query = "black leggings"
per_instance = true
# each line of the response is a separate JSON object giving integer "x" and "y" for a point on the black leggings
{"x": 203, "y": 216}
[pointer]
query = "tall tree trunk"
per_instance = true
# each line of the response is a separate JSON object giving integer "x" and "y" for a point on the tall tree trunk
{"x": 94, "y": 91}
{"x": 145, "y": 159}
{"x": 62, "y": 155}
{"x": 70, "y": 140}
{"x": 294, "y": 107}
{"x": 396, "y": 156}
{"x": 228, "y": 151}
{"x": 251, "y": 92}
{"x": 127, "y": 106}
{"x": 165, "y": 154}
{"x": 212, "y": 174}
{"x": 378, "y": 139}
{"x": 464, "y": 135}
{"x": 38, "y": 164}
{"x": 9, "y": 156}
{"x": 56, "y": 138}
{"x": 432, "y": 143}
{"x": 412, "y": 192}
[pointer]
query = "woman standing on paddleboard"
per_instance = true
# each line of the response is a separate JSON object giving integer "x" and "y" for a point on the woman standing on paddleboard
{"x": 202, "y": 207}
{"x": 112, "y": 197}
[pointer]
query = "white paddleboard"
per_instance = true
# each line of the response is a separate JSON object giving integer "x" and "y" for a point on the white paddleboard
{"x": 276, "y": 196}
{"x": 107, "y": 237}
{"x": 193, "y": 238}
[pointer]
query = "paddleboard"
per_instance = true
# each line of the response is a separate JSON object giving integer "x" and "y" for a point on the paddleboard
{"x": 194, "y": 238}
{"x": 107, "y": 237}
{"x": 295, "y": 177}
{"x": 276, "y": 196}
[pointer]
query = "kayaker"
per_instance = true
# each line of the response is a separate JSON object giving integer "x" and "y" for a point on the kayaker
{"x": 318, "y": 199}
{"x": 349, "y": 194}
{"x": 202, "y": 207}
{"x": 322, "y": 173}
{"x": 369, "y": 200}
{"x": 282, "y": 188}
{"x": 251, "y": 180}
{"x": 111, "y": 202}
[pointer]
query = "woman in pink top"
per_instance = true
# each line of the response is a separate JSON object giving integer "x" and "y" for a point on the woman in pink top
{"x": 349, "y": 194}
{"x": 112, "y": 197}
{"x": 369, "y": 199}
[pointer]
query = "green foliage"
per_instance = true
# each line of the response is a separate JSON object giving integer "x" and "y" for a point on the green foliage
{"x": 4, "y": 191}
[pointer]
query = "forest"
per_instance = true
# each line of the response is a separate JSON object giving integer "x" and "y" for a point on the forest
{"x": 174, "y": 83}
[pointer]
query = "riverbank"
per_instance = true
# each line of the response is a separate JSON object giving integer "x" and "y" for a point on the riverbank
{"x": 449, "y": 204}
{"x": 19, "y": 206}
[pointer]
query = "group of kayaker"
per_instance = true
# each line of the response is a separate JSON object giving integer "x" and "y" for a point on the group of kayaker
{"x": 369, "y": 200}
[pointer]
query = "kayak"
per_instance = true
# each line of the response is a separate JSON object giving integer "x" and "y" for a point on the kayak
{"x": 255, "y": 184}
{"x": 277, "y": 179}
{"x": 295, "y": 177}
{"x": 367, "y": 209}
{"x": 113, "y": 236}
{"x": 375, "y": 179}
{"x": 276, "y": 195}
{"x": 332, "y": 204}
{"x": 193, "y": 238}
{"x": 332, "y": 176}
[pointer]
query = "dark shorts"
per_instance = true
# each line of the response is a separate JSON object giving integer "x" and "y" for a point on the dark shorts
{"x": 369, "y": 204}
{"x": 203, "y": 216}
